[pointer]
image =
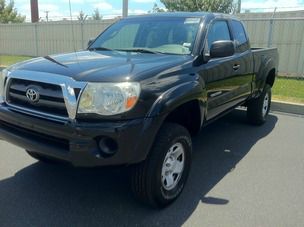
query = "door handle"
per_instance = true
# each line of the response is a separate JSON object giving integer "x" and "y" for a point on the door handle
{"x": 216, "y": 94}
{"x": 236, "y": 67}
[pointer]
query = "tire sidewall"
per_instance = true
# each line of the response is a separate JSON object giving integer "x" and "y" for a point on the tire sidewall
{"x": 267, "y": 90}
{"x": 164, "y": 196}
{"x": 255, "y": 107}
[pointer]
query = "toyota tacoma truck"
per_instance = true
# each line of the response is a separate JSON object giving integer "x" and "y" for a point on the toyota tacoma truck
{"x": 137, "y": 95}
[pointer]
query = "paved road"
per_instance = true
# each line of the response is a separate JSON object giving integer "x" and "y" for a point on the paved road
{"x": 241, "y": 176}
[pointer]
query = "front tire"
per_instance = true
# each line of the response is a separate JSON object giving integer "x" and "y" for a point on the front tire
{"x": 160, "y": 179}
{"x": 258, "y": 109}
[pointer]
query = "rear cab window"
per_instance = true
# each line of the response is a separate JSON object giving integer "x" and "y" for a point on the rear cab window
{"x": 217, "y": 31}
{"x": 239, "y": 35}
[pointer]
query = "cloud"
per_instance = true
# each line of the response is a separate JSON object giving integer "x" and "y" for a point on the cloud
{"x": 103, "y": 6}
{"x": 143, "y": 1}
{"x": 48, "y": 7}
{"x": 74, "y": 1}
{"x": 20, "y": 2}
{"x": 137, "y": 11}
{"x": 118, "y": 12}
{"x": 270, "y": 5}
{"x": 54, "y": 12}
{"x": 58, "y": 12}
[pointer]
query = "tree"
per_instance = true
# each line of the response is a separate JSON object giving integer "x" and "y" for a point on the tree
{"x": 220, "y": 6}
{"x": 9, "y": 14}
{"x": 156, "y": 9}
{"x": 96, "y": 15}
{"x": 82, "y": 17}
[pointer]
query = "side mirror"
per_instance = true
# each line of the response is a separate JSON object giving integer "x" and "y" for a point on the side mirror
{"x": 91, "y": 41}
{"x": 222, "y": 48}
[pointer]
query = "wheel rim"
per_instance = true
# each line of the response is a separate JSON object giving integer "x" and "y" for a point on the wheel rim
{"x": 265, "y": 104}
{"x": 173, "y": 166}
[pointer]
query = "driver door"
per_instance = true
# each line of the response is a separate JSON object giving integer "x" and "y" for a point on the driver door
{"x": 218, "y": 73}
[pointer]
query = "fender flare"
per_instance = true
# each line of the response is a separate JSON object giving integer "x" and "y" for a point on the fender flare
{"x": 263, "y": 74}
{"x": 176, "y": 96}
{"x": 162, "y": 107}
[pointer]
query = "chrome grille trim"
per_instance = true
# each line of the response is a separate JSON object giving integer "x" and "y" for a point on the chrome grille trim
{"x": 66, "y": 83}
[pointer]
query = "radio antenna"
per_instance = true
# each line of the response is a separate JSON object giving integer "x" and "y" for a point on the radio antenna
{"x": 73, "y": 33}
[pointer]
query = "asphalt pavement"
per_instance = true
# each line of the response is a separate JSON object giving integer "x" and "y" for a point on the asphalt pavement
{"x": 242, "y": 176}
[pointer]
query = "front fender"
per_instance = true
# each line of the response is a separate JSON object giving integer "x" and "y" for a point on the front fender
{"x": 177, "y": 96}
{"x": 164, "y": 104}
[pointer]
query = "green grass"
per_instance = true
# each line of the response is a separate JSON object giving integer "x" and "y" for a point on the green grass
{"x": 284, "y": 89}
{"x": 289, "y": 90}
{"x": 7, "y": 60}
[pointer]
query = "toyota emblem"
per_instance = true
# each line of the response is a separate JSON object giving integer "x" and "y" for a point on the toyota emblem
{"x": 32, "y": 95}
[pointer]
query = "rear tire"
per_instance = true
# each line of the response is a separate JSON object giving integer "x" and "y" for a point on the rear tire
{"x": 258, "y": 109}
{"x": 160, "y": 179}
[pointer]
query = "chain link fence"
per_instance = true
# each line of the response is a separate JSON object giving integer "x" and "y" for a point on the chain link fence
{"x": 284, "y": 30}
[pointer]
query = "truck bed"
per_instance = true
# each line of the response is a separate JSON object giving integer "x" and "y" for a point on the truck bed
{"x": 264, "y": 59}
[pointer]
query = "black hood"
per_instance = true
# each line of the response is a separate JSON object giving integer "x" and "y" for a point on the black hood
{"x": 105, "y": 66}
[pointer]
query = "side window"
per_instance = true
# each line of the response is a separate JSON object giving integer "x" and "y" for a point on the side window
{"x": 239, "y": 32}
{"x": 218, "y": 31}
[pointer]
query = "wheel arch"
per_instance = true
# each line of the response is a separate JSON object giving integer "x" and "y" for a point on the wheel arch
{"x": 271, "y": 77}
{"x": 266, "y": 74}
{"x": 183, "y": 105}
{"x": 189, "y": 115}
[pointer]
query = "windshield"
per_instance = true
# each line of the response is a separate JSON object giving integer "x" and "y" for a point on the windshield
{"x": 160, "y": 35}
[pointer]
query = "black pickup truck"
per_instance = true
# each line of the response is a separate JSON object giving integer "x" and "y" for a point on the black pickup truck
{"x": 135, "y": 97}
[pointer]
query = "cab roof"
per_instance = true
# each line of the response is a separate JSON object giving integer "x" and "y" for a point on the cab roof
{"x": 184, "y": 14}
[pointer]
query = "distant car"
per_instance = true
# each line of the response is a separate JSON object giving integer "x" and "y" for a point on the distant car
{"x": 136, "y": 96}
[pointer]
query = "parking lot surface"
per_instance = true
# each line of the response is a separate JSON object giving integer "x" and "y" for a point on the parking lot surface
{"x": 241, "y": 176}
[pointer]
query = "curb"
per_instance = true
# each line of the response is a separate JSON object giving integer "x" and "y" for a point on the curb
{"x": 286, "y": 107}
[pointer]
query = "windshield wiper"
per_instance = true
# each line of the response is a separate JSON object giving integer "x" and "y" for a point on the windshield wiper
{"x": 99, "y": 48}
{"x": 140, "y": 50}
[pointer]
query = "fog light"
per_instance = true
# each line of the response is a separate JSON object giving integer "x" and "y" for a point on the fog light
{"x": 107, "y": 146}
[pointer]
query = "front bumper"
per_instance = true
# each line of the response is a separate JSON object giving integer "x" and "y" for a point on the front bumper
{"x": 77, "y": 142}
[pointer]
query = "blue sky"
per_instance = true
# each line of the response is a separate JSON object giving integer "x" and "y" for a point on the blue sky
{"x": 59, "y": 9}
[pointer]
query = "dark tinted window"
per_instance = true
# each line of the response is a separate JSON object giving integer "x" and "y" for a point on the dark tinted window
{"x": 239, "y": 32}
{"x": 218, "y": 31}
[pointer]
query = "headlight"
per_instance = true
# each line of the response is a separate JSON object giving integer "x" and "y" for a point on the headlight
{"x": 109, "y": 98}
{"x": 3, "y": 74}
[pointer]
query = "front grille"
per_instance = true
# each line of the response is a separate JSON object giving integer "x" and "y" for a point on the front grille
{"x": 51, "y": 100}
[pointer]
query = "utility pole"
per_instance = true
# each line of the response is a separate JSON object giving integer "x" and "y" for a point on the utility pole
{"x": 239, "y": 6}
{"x": 47, "y": 15}
{"x": 34, "y": 11}
{"x": 125, "y": 6}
